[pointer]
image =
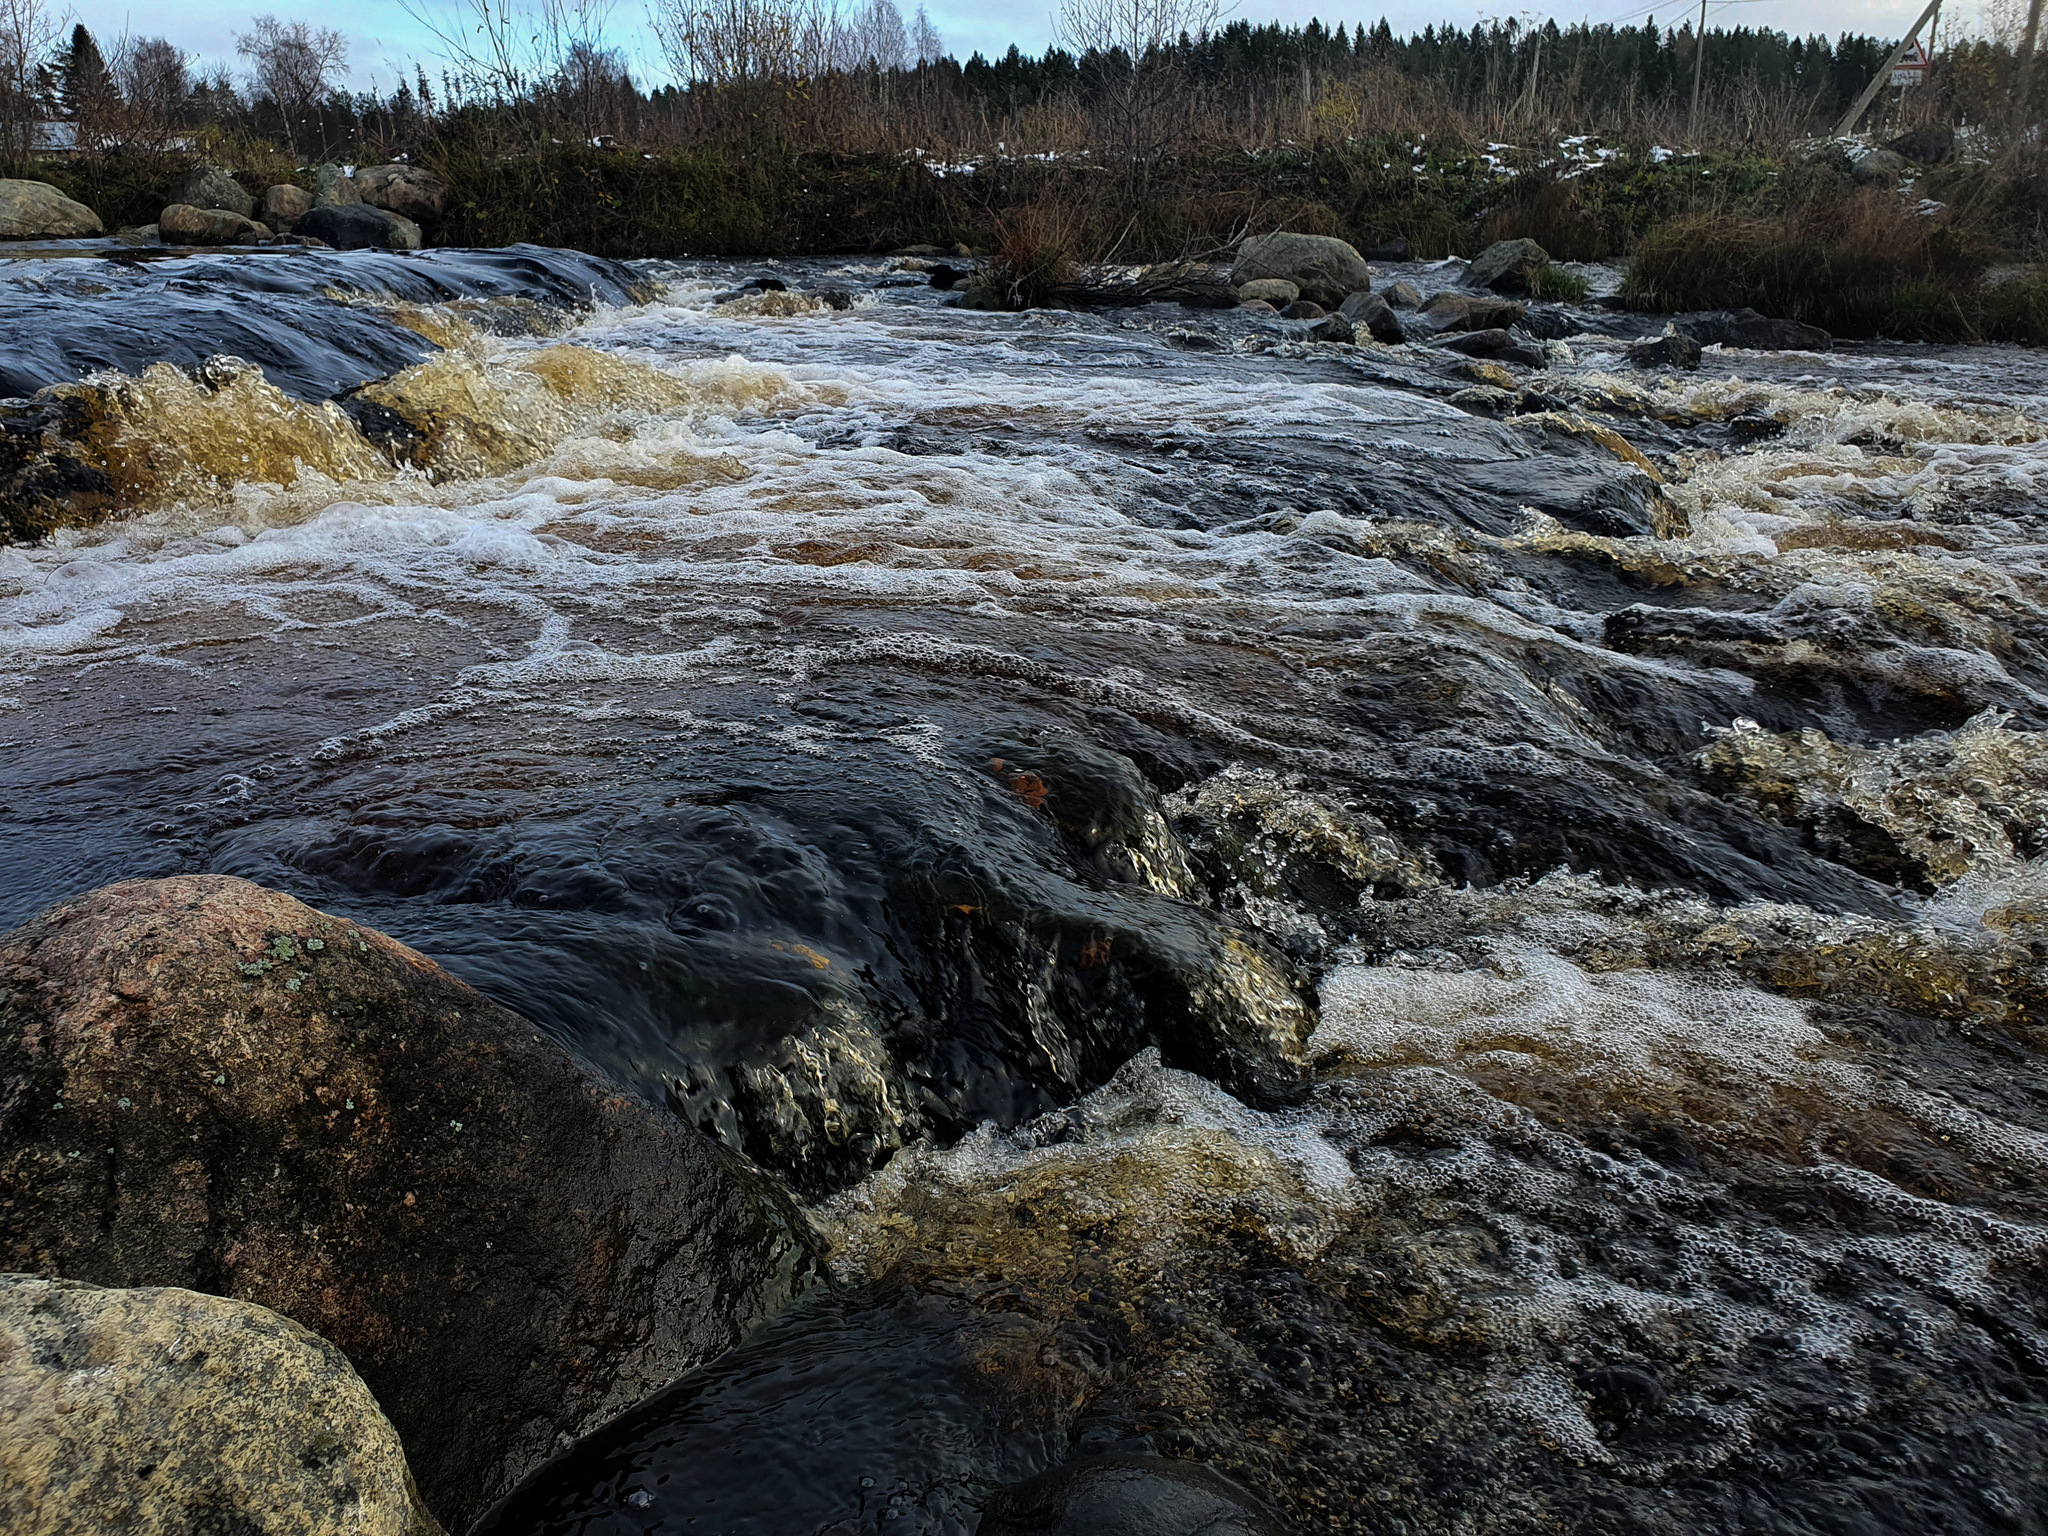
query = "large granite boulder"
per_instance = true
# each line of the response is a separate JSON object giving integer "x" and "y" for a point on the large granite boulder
{"x": 1324, "y": 270}
{"x": 207, "y": 1084}
{"x": 1508, "y": 266}
{"x": 407, "y": 190}
{"x": 183, "y": 224}
{"x": 208, "y": 186}
{"x": 284, "y": 205}
{"x": 334, "y": 187}
{"x": 1468, "y": 312}
{"x": 359, "y": 226}
{"x": 164, "y": 1412}
{"x": 35, "y": 210}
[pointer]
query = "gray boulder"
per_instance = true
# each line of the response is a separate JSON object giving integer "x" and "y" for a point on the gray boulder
{"x": 162, "y": 1412}
{"x": 1277, "y": 291}
{"x": 1496, "y": 345}
{"x": 35, "y": 210}
{"x": 1671, "y": 350}
{"x": 1324, "y": 269}
{"x": 211, "y": 1085}
{"x": 407, "y": 190}
{"x": 1507, "y": 266}
{"x": 1303, "y": 309}
{"x": 1758, "y": 333}
{"x": 359, "y": 226}
{"x": 1468, "y": 312}
{"x": 333, "y": 187}
{"x": 1372, "y": 314}
{"x": 284, "y": 205}
{"x": 208, "y": 186}
{"x": 1404, "y": 296}
{"x": 1333, "y": 327}
{"x": 183, "y": 224}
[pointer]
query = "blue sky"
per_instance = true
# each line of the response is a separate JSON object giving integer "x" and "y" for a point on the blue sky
{"x": 382, "y": 36}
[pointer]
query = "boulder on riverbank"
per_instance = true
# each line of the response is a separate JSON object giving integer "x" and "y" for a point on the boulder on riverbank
{"x": 1508, "y": 266}
{"x": 334, "y": 187}
{"x": 1323, "y": 269}
{"x": 1372, "y": 314}
{"x": 284, "y": 205}
{"x": 207, "y": 1084}
{"x": 1276, "y": 291}
{"x": 208, "y": 186}
{"x": 163, "y": 1411}
{"x": 183, "y": 224}
{"x": 359, "y": 226}
{"x": 35, "y": 210}
{"x": 409, "y": 191}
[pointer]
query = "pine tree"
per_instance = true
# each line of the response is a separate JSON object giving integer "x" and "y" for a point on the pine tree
{"x": 84, "y": 84}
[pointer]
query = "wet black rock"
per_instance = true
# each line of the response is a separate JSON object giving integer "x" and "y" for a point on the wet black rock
{"x": 209, "y": 1085}
{"x": 1194, "y": 338}
{"x": 1371, "y": 313}
{"x": 1332, "y": 328}
{"x": 1673, "y": 349}
{"x": 1497, "y": 345}
{"x": 1302, "y": 309}
{"x": 1469, "y": 312}
{"x": 1127, "y": 1496}
{"x": 359, "y": 226}
{"x": 945, "y": 277}
{"x": 834, "y": 298}
{"x": 1759, "y": 333}
{"x": 764, "y": 285}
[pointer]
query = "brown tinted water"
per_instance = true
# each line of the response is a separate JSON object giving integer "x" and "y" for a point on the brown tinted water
{"x": 1278, "y": 919}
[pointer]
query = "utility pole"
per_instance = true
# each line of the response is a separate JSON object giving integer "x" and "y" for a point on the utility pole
{"x": 2026, "y": 69}
{"x": 1849, "y": 119}
{"x": 1699, "y": 60}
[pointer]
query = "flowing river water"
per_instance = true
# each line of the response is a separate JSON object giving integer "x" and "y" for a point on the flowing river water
{"x": 1469, "y": 959}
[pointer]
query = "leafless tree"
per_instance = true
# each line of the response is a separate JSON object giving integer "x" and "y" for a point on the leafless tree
{"x": 1132, "y": 41}
{"x": 924, "y": 39}
{"x": 155, "y": 79}
{"x": 292, "y": 65}
{"x": 737, "y": 42}
{"x": 876, "y": 37}
{"x": 29, "y": 29}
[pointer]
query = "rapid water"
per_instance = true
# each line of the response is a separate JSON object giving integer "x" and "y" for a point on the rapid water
{"x": 1470, "y": 959}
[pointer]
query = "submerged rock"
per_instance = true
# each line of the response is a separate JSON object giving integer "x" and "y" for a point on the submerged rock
{"x": 1671, "y": 350}
{"x": 1127, "y": 1496}
{"x": 208, "y": 1084}
{"x": 1499, "y": 345}
{"x": 1468, "y": 312}
{"x": 35, "y": 210}
{"x": 1325, "y": 270}
{"x": 208, "y": 186}
{"x": 359, "y": 226}
{"x": 163, "y": 1411}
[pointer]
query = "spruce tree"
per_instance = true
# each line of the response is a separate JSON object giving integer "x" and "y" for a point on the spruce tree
{"x": 84, "y": 85}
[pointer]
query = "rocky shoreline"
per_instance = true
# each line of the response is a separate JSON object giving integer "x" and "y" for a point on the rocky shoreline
{"x": 211, "y": 1088}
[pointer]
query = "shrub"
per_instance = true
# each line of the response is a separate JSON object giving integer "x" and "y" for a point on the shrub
{"x": 1559, "y": 286}
{"x": 2017, "y": 310}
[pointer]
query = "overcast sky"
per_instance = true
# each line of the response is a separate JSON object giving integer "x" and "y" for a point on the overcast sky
{"x": 382, "y": 36}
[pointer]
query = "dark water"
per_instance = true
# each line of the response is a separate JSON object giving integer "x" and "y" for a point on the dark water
{"x": 1230, "y": 877}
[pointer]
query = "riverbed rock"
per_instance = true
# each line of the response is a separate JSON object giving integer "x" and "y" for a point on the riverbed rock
{"x": 1671, "y": 350}
{"x": 1499, "y": 345}
{"x": 1758, "y": 333}
{"x": 1404, "y": 295}
{"x": 1322, "y": 268}
{"x": 359, "y": 226}
{"x": 35, "y": 210}
{"x": 1127, "y": 1496}
{"x": 284, "y": 205}
{"x": 1371, "y": 313}
{"x": 183, "y": 224}
{"x": 209, "y": 186}
{"x": 1276, "y": 291}
{"x": 1332, "y": 328}
{"x": 1302, "y": 309}
{"x": 410, "y": 191}
{"x": 1508, "y": 266}
{"x": 1468, "y": 312}
{"x": 207, "y": 1084}
{"x": 1257, "y": 307}
{"x": 162, "y": 1412}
